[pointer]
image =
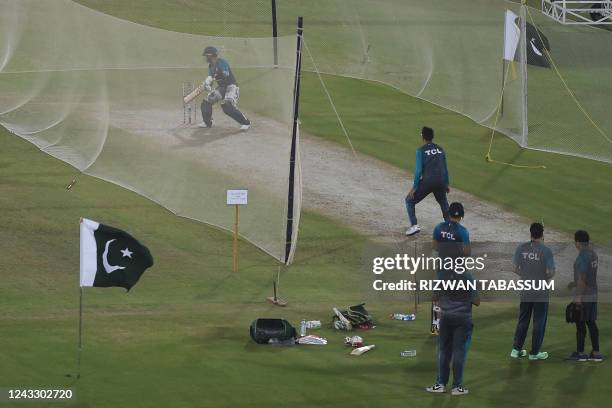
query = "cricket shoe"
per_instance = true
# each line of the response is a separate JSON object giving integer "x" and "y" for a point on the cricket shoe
{"x": 205, "y": 125}
{"x": 460, "y": 391}
{"x": 414, "y": 229}
{"x": 542, "y": 355}
{"x": 595, "y": 356}
{"x": 244, "y": 128}
{"x": 436, "y": 389}
{"x": 518, "y": 353}
{"x": 576, "y": 356}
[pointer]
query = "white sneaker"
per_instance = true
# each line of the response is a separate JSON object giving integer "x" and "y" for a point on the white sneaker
{"x": 205, "y": 126}
{"x": 436, "y": 388}
{"x": 244, "y": 128}
{"x": 459, "y": 391}
{"x": 413, "y": 230}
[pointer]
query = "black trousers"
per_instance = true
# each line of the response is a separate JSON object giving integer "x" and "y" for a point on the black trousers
{"x": 540, "y": 314}
{"x": 422, "y": 191}
{"x": 581, "y": 331}
{"x": 229, "y": 109}
{"x": 453, "y": 344}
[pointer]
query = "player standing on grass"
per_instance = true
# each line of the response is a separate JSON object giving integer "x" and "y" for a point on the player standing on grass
{"x": 227, "y": 91}
{"x": 451, "y": 240}
{"x": 585, "y": 299}
{"x": 430, "y": 176}
{"x": 533, "y": 261}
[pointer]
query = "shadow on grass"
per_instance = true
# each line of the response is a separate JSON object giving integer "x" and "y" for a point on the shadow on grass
{"x": 572, "y": 388}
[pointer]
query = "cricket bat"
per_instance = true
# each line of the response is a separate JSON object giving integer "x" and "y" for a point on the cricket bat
{"x": 360, "y": 350}
{"x": 194, "y": 94}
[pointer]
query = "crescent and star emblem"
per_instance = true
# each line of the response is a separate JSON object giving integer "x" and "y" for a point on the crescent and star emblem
{"x": 108, "y": 267}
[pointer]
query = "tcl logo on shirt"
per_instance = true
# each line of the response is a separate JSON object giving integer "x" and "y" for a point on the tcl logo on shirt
{"x": 531, "y": 256}
{"x": 432, "y": 152}
{"x": 448, "y": 235}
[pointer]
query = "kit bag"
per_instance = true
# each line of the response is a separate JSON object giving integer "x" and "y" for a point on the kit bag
{"x": 262, "y": 330}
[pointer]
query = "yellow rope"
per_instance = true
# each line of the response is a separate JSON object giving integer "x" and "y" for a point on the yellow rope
{"x": 488, "y": 157}
{"x": 565, "y": 85}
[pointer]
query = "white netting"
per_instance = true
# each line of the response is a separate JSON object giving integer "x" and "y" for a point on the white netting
{"x": 450, "y": 53}
{"x": 570, "y": 104}
{"x": 445, "y": 52}
{"x": 105, "y": 95}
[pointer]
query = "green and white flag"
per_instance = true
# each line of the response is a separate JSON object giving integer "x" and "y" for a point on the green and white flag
{"x": 110, "y": 256}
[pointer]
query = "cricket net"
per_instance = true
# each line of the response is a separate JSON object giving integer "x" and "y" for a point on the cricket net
{"x": 450, "y": 53}
{"x": 105, "y": 95}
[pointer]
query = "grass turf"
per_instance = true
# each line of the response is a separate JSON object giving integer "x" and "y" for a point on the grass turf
{"x": 180, "y": 338}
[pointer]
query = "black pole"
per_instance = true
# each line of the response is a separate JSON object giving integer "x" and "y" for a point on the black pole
{"x": 274, "y": 33}
{"x": 296, "y": 103}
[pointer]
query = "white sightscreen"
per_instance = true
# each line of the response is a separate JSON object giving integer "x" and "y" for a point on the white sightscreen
{"x": 105, "y": 95}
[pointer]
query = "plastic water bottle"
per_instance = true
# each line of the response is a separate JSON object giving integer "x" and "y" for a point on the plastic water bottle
{"x": 313, "y": 324}
{"x": 401, "y": 316}
{"x": 303, "y": 328}
{"x": 408, "y": 353}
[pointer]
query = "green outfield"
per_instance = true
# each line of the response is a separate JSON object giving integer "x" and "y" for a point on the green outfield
{"x": 180, "y": 337}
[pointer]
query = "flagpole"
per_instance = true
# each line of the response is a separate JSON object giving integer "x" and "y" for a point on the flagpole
{"x": 503, "y": 86}
{"x": 80, "y": 332}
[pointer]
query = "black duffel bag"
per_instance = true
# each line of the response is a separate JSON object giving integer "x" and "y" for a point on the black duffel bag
{"x": 262, "y": 330}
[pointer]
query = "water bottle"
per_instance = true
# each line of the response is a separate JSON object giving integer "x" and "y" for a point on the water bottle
{"x": 401, "y": 316}
{"x": 408, "y": 353}
{"x": 302, "y": 328}
{"x": 313, "y": 324}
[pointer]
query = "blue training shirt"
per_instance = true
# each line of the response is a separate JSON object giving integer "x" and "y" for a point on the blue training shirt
{"x": 452, "y": 237}
{"x": 534, "y": 259}
{"x": 585, "y": 268}
{"x": 445, "y": 231}
{"x": 222, "y": 73}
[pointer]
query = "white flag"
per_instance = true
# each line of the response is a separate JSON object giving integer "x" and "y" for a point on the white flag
{"x": 512, "y": 35}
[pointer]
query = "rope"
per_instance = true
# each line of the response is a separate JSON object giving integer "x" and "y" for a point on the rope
{"x": 488, "y": 157}
{"x": 331, "y": 102}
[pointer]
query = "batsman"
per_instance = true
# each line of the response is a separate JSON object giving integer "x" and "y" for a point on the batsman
{"x": 227, "y": 92}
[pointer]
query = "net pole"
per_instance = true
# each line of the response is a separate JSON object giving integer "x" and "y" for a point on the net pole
{"x": 294, "y": 131}
{"x": 523, "y": 64}
{"x": 80, "y": 332}
{"x": 274, "y": 33}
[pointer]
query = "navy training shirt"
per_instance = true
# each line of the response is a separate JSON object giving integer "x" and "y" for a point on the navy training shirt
{"x": 430, "y": 166}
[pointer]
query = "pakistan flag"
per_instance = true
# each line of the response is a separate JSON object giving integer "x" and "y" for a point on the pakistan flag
{"x": 110, "y": 256}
